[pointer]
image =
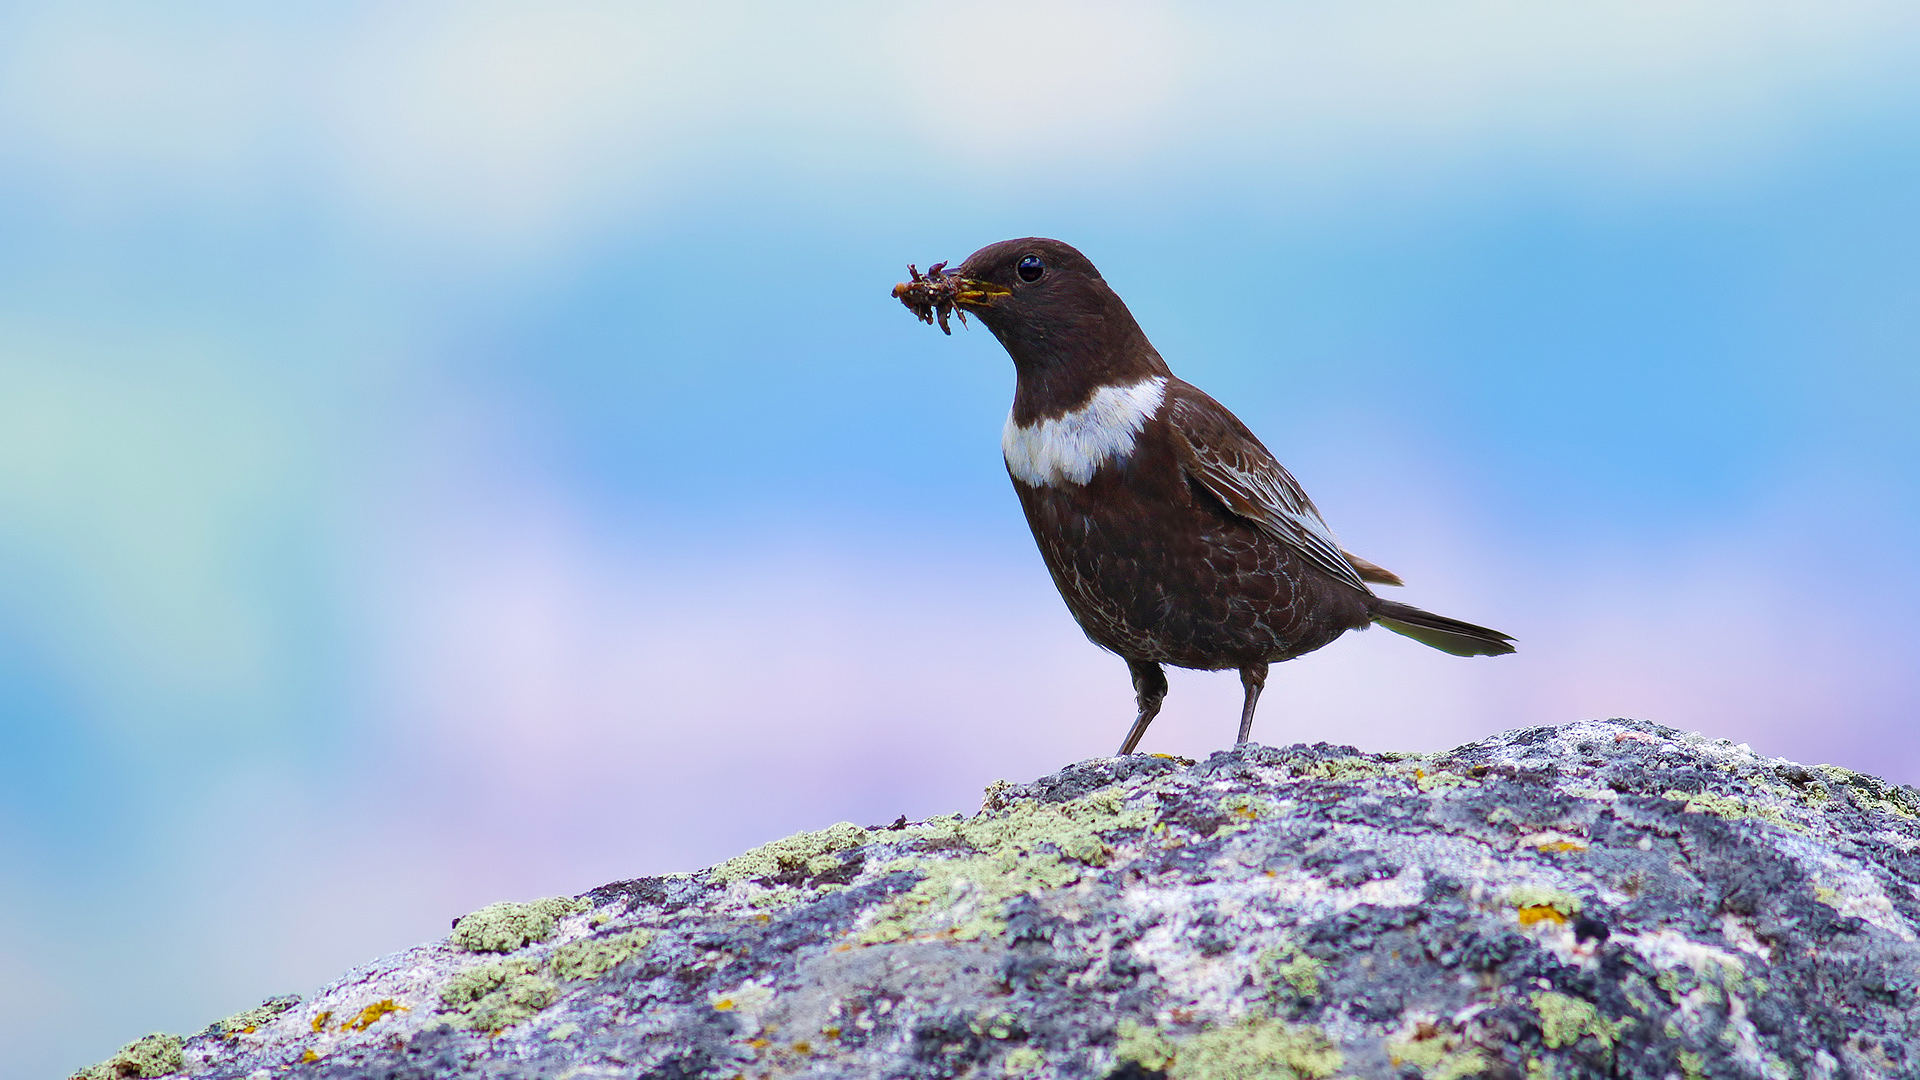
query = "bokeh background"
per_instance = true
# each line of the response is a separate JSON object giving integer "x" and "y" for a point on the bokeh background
{"x": 455, "y": 452}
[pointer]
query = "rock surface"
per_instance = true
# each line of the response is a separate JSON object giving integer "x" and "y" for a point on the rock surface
{"x": 1601, "y": 899}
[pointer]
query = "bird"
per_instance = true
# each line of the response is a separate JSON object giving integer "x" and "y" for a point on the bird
{"x": 1172, "y": 533}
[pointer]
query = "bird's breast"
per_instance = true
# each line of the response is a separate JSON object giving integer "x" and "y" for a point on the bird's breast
{"x": 1071, "y": 447}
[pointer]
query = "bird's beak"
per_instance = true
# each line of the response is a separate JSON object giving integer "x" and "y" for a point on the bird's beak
{"x": 936, "y": 294}
{"x": 974, "y": 293}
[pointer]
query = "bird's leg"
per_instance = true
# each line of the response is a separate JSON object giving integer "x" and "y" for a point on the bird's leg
{"x": 1253, "y": 678}
{"x": 1150, "y": 687}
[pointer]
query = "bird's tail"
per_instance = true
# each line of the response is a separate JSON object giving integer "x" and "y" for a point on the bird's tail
{"x": 1440, "y": 632}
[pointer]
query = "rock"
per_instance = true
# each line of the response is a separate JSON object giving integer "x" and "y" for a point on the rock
{"x": 1601, "y": 899}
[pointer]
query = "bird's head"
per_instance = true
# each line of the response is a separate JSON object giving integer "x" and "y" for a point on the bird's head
{"x": 1020, "y": 286}
{"x": 1045, "y": 301}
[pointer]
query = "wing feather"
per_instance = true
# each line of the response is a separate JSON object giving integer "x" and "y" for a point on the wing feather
{"x": 1218, "y": 452}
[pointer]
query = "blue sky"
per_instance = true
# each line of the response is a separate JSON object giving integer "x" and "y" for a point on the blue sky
{"x": 458, "y": 452}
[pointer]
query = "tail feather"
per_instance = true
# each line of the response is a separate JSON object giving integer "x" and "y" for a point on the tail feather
{"x": 1440, "y": 632}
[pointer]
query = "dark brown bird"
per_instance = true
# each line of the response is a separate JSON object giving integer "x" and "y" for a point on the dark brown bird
{"x": 1172, "y": 534}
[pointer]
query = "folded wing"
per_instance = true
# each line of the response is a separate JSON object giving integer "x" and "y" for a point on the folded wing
{"x": 1223, "y": 457}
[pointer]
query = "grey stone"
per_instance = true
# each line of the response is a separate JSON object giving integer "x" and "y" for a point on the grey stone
{"x": 1607, "y": 898}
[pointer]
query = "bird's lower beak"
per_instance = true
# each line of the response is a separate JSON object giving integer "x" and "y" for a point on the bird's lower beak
{"x": 978, "y": 294}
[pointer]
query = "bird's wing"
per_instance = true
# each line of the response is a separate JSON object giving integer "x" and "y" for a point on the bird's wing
{"x": 1218, "y": 452}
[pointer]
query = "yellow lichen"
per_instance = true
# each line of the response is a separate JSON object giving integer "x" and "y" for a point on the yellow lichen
{"x": 371, "y": 1015}
{"x": 1534, "y": 913}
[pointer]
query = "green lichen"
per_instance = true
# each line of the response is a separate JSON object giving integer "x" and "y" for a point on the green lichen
{"x": 778, "y": 898}
{"x": 998, "y": 1025}
{"x": 1024, "y": 1061}
{"x": 1565, "y": 1020}
{"x": 1148, "y": 1047}
{"x": 1734, "y": 808}
{"x": 1257, "y": 1049}
{"x": 1348, "y": 769}
{"x": 158, "y": 1054}
{"x": 1028, "y": 847}
{"x": 250, "y": 1020}
{"x": 964, "y": 897}
{"x": 1873, "y": 792}
{"x": 506, "y": 926}
{"x": 1242, "y": 811}
{"x": 1087, "y": 848}
{"x": 490, "y": 997}
{"x": 1693, "y": 1064}
{"x": 1542, "y": 896}
{"x": 1436, "y": 1060}
{"x": 594, "y": 957}
{"x": 1440, "y": 780}
{"x": 807, "y": 853}
{"x": 1285, "y": 968}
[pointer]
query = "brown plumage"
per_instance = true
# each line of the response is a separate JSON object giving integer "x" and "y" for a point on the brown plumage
{"x": 1171, "y": 532}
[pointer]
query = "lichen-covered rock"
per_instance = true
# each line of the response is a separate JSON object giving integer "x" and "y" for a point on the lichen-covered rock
{"x": 506, "y": 926}
{"x": 1601, "y": 899}
{"x": 158, "y": 1054}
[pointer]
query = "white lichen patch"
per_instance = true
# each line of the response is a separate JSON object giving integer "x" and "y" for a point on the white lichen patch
{"x": 1667, "y": 950}
{"x": 1316, "y": 897}
{"x": 1739, "y": 931}
{"x": 1552, "y": 841}
{"x": 749, "y": 1001}
{"x": 1860, "y": 896}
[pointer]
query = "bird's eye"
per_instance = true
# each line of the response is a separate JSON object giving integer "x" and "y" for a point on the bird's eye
{"x": 1031, "y": 268}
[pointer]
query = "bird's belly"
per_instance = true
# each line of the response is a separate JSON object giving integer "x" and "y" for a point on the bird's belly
{"x": 1158, "y": 576}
